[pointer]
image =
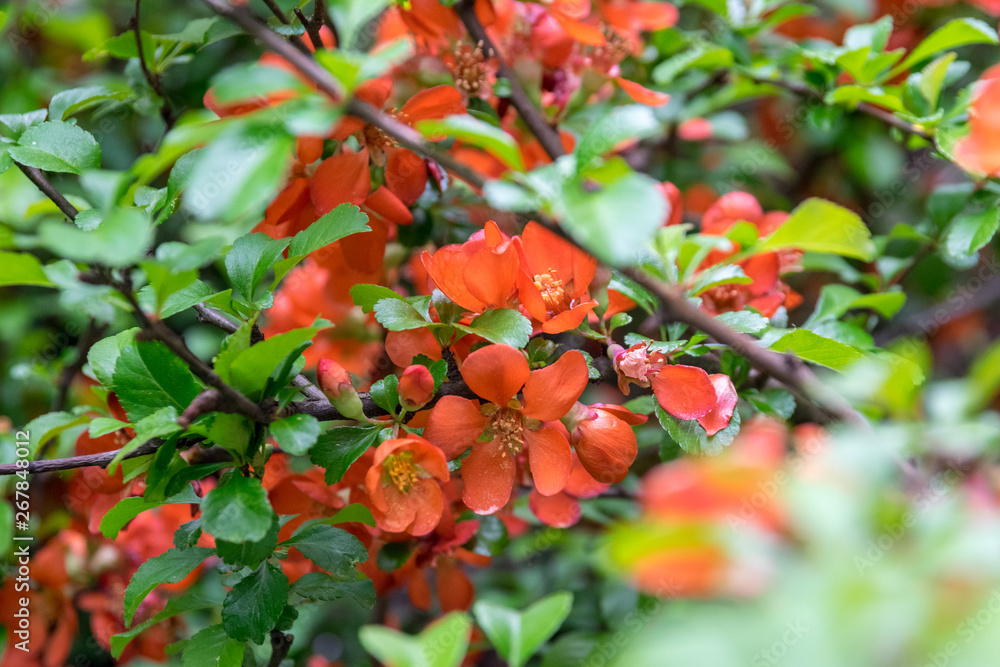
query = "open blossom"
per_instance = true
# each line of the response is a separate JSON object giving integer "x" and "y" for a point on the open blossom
{"x": 501, "y": 429}
{"x": 552, "y": 285}
{"x": 635, "y": 365}
{"x": 980, "y": 150}
{"x": 479, "y": 274}
{"x": 404, "y": 485}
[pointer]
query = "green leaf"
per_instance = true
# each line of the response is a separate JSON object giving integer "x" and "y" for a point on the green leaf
{"x": 385, "y": 393}
{"x": 250, "y": 80}
{"x": 955, "y": 33}
{"x": 321, "y": 587}
{"x": 503, "y": 325}
{"x": 100, "y": 426}
{"x": 397, "y": 315}
{"x": 160, "y": 424}
{"x": 22, "y": 269}
{"x": 103, "y": 355}
{"x": 252, "y": 368}
{"x": 622, "y": 123}
{"x": 249, "y": 554}
{"x": 341, "y": 446}
{"x": 67, "y": 102}
{"x": 169, "y": 567}
{"x": 693, "y": 439}
{"x": 237, "y": 510}
{"x": 968, "y": 233}
{"x": 721, "y": 274}
{"x": 818, "y": 225}
{"x": 443, "y": 643}
{"x": 249, "y": 260}
{"x": 355, "y": 512}
{"x": 633, "y": 290}
{"x": 812, "y": 347}
{"x": 57, "y": 146}
{"x": 342, "y": 221}
{"x": 174, "y": 607}
{"x": 17, "y": 123}
{"x": 295, "y": 434}
{"x": 596, "y": 204}
{"x": 366, "y": 296}
{"x": 852, "y": 94}
{"x": 239, "y": 172}
{"x": 188, "y": 534}
{"x": 212, "y": 647}
{"x": 121, "y": 239}
{"x": 45, "y": 427}
{"x": 517, "y": 635}
{"x": 255, "y": 604}
{"x": 931, "y": 78}
{"x": 129, "y": 508}
{"x": 333, "y": 549}
{"x": 472, "y": 131}
{"x": 148, "y": 377}
{"x": 744, "y": 321}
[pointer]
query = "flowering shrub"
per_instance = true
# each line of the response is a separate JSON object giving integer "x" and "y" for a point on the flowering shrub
{"x": 442, "y": 332}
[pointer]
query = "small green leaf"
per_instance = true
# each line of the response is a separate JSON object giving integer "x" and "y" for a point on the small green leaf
{"x": 443, "y": 643}
{"x": 721, "y": 274}
{"x": 744, "y": 321}
{"x": 333, "y": 549}
{"x": 249, "y": 554}
{"x": 174, "y": 607}
{"x": 255, "y": 604}
{"x": 342, "y": 221}
{"x": 250, "y": 80}
{"x": 503, "y": 325}
{"x": 968, "y": 233}
{"x": 212, "y": 647}
{"x": 295, "y": 434}
{"x": 475, "y": 132}
{"x": 366, "y": 296}
{"x": 57, "y": 146}
{"x": 129, "y": 508}
{"x": 148, "y": 377}
{"x": 121, "y": 239}
{"x": 622, "y": 123}
{"x": 385, "y": 393}
{"x": 518, "y": 635}
{"x": 249, "y": 260}
{"x": 397, "y": 315}
{"x": 237, "y": 510}
{"x": 22, "y": 269}
{"x": 341, "y": 446}
{"x": 812, "y": 347}
{"x": 693, "y": 439}
{"x": 321, "y": 587}
{"x": 252, "y": 368}
{"x": 818, "y": 225}
{"x": 45, "y": 427}
{"x": 67, "y": 102}
{"x": 160, "y": 424}
{"x": 955, "y": 33}
{"x": 169, "y": 567}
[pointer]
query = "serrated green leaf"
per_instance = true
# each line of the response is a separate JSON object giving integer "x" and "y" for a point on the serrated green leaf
{"x": 397, "y": 315}
{"x": 57, "y": 146}
{"x": 295, "y": 434}
{"x": 212, "y": 647}
{"x": 818, "y": 225}
{"x": 125, "y": 510}
{"x": 818, "y": 349}
{"x": 148, "y": 377}
{"x": 692, "y": 438}
{"x": 504, "y": 326}
{"x": 169, "y": 567}
{"x": 121, "y": 239}
{"x": 322, "y": 587}
{"x": 341, "y": 446}
{"x": 237, "y": 510}
{"x": 255, "y": 604}
{"x": 343, "y": 221}
{"x": 333, "y": 549}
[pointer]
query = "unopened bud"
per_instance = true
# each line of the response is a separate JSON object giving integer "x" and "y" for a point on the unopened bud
{"x": 336, "y": 383}
{"x": 416, "y": 387}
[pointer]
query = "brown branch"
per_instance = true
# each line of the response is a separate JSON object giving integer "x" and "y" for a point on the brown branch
{"x": 405, "y": 135}
{"x": 90, "y": 460}
{"x": 281, "y": 16}
{"x": 547, "y": 136}
{"x": 887, "y": 117}
{"x": 36, "y": 176}
{"x": 281, "y": 643}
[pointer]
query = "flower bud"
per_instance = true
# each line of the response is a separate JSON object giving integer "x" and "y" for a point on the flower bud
{"x": 336, "y": 383}
{"x": 416, "y": 387}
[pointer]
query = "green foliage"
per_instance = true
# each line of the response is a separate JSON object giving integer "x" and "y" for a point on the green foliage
{"x": 57, "y": 146}
{"x": 168, "y": 568}
{"x": 237, "y": 510}
{"x": 341, "y": 446}
{"x": 441, "y": 644}
{"x": 254, "y": 605}
{"x": 518, "y": 635}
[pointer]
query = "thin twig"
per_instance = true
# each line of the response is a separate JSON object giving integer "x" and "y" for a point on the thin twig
{"x": 36, "y": 176}
{"x": 281, "y": 16}
{"x": 281, "y": 643}
{"x": 547, "y": 136}
{"x": 322, "y": 16}
{"x": 90, "y": 460}
{"x": 312, "y": 28}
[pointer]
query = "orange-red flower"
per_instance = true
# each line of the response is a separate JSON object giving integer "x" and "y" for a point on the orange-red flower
{"x": 686, "y": 392}
{"x": 405, "y": 171}
{"x": 764, "y": 293}
{"x": 980, "y": 150}
{"x": 605, "y": 442}
{"x": 554, "y": 278}
{"x": 416, "y": 387}
{"x": 404, "y": 485}
{"x": 479, "y": 274}
{"x": 500, "y": 430}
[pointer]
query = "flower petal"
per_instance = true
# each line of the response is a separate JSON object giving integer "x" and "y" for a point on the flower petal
{"x": 550, "y": 392}
{"x": 569, "y": 319}
{"x": 491, "y": 276}
{"x": 720, "y": 414}
{"x": 445, "y": 267}
{"x": 496, "y": 372}
{"x": 405, "y": 174}
{"x": 386, "y": 204}
{"x": 454, "y": 424}
{"x": 550, "y": 459}
{"x": 488, "y": 476}
{"x": 559, "y": 511}
{"x": 684, "y": 391}
{"x": 436, "y": 102}
{"x": 340, "y": 179}
{"x": 606, "y": 447}
{"x": 641, "y": 94}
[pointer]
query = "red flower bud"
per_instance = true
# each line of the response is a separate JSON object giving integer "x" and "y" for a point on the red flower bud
{"x": 416, "y": 387}
{"x": 336, "y": 383}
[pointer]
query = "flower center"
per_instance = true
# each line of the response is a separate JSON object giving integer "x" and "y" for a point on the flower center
{"x": 402, "y": 471}
{"x": 508, "y": 429}
{"x": 469, "y": 68}
{"x": 375, "y": 138}
{"x": 553, "y": 292}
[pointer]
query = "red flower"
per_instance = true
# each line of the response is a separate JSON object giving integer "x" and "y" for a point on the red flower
{"x": 553, "y": 282}
{"x": 404, "y": 485}
{"x": 718, "y": 417}
{"x": 479, "y": 274}
{"x": 605, "y": 442}
{"x": 416, "y": 387}
{"x": 686, "y": 392}
{"x": 500, "y": 430}
{"x": 980, "y": 150}
{"x": 636, "y": 364}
